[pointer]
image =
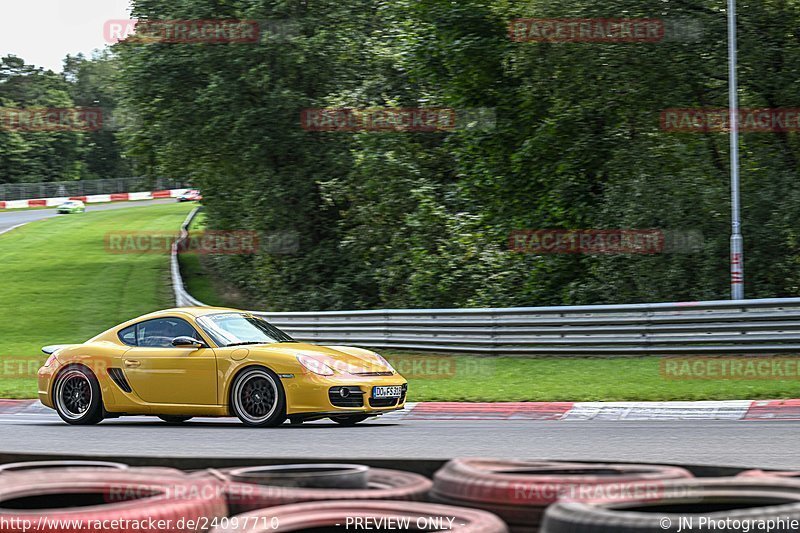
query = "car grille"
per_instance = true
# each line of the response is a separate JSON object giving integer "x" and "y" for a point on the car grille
{"x": 382, "y": 402}
{"x": 373, "y": 373}
{"x": 355, "y": 397}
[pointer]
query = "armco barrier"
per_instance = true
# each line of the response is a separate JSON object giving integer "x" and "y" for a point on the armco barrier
{"x": 762, "y": 326}
{"x": 182, "y": 296}
{"x": 92, "y": 199}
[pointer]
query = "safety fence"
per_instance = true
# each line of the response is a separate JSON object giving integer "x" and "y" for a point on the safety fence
{"x": 57, "y": 189}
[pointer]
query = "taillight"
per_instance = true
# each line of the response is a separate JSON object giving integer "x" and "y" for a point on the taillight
{"x": 50, "y": 360}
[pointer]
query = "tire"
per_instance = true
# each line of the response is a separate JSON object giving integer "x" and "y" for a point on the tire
{"x": 80, "y": 500}
{"x": 382, "y": 485}
{"x": 743, "y": 500}
{"x": 76, "y": 396}
{"x": 313, "y": 475}
{"x": 79, "y": 466}
{"x": 145, "y": 473}
{"x": 519, "y": 491}
{"x": 257, "y": 398}
{"x": 768, "y": 473}
{"x": 323, "y": 515}
{"x": 170, "y": 419}
{"x": 349, "y": 420}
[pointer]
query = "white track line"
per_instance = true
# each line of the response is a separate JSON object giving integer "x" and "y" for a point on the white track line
{"x": 12, "y": 227}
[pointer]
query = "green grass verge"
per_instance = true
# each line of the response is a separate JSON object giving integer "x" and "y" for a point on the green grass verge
{"x": 61, "y": 285}
{"x": 469, "y": 378}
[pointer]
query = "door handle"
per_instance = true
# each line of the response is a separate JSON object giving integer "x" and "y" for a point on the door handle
{"x": 131, "y": 363}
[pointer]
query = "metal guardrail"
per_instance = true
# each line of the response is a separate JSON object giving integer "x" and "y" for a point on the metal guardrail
{"x": 182, "y": 296}
{"x": 713, "y": 327}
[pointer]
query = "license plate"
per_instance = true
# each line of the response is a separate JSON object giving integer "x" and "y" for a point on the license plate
{"x": 387, "y": 392}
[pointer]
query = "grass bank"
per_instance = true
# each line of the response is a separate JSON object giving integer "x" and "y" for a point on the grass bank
{"x": 61, "y": 285}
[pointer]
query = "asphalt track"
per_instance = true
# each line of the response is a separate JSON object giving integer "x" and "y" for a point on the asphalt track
{"x": 770, "y": 444}
{"x": 14, "y": 217}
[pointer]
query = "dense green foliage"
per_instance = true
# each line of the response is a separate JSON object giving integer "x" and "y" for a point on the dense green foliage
{"x": 423, "y": 219}
{"x": 31, "y": 155}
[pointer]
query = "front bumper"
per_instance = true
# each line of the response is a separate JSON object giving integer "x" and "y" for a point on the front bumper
{"x": 310, "y": 394}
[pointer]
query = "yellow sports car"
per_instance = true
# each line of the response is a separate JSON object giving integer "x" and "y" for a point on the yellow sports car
{"x": 204, "y": 361}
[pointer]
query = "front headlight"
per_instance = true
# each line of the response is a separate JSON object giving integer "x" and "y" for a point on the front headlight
{"x": 314, "y": 365}
{"x": 384, "y": 362}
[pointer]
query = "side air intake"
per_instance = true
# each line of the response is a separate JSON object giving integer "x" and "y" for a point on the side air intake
{"x": 118, "y": 376}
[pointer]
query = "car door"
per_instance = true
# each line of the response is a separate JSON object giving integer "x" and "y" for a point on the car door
{"x": 161, "y": 373}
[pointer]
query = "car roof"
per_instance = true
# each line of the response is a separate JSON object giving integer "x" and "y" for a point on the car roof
{"x": 194, "y": 311}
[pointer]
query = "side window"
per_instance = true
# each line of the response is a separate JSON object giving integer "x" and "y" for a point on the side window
{"x": 159, "y": 332}
{"x": 128, "y": 335}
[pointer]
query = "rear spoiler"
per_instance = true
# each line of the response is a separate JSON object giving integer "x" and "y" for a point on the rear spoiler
{"x": 54, "y": 347}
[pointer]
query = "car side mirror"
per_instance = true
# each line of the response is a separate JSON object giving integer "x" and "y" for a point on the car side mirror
{"x": 187, "y": 342}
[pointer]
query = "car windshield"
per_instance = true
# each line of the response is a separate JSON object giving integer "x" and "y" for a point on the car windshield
{"x": 232, "y": 329}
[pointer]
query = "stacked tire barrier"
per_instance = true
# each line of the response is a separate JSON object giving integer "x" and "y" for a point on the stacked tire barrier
{"x": 355, "y": 515}
{"x": 72, "y": 499}
{"x": 728, "y": 504}
{"x": 255, "y": 488}
{"x": 520, "y": 491}
{"x": 465, "y": 496}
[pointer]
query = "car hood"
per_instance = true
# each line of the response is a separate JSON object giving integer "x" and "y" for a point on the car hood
{"x": 344, "y": 359}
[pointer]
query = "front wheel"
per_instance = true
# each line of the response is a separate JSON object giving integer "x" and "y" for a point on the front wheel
{"x": 257, "y": 398}
{"x": 349, "y": 420}
{"x": 76, "y": 396}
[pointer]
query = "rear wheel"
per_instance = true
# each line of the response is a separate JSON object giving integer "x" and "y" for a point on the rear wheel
{"x": 76, "y": 396}
{"x": 349, "y": 420}
{"x": 174, "y": 419}
{"x": 257, "y": 398}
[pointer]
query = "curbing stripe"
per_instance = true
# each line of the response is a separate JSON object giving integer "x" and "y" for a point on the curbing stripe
{"x": 703, "y": 410}
{"x": 774, "y": 410}
{"x": 490, "y": 411}
{"x": 744, "y": 410}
